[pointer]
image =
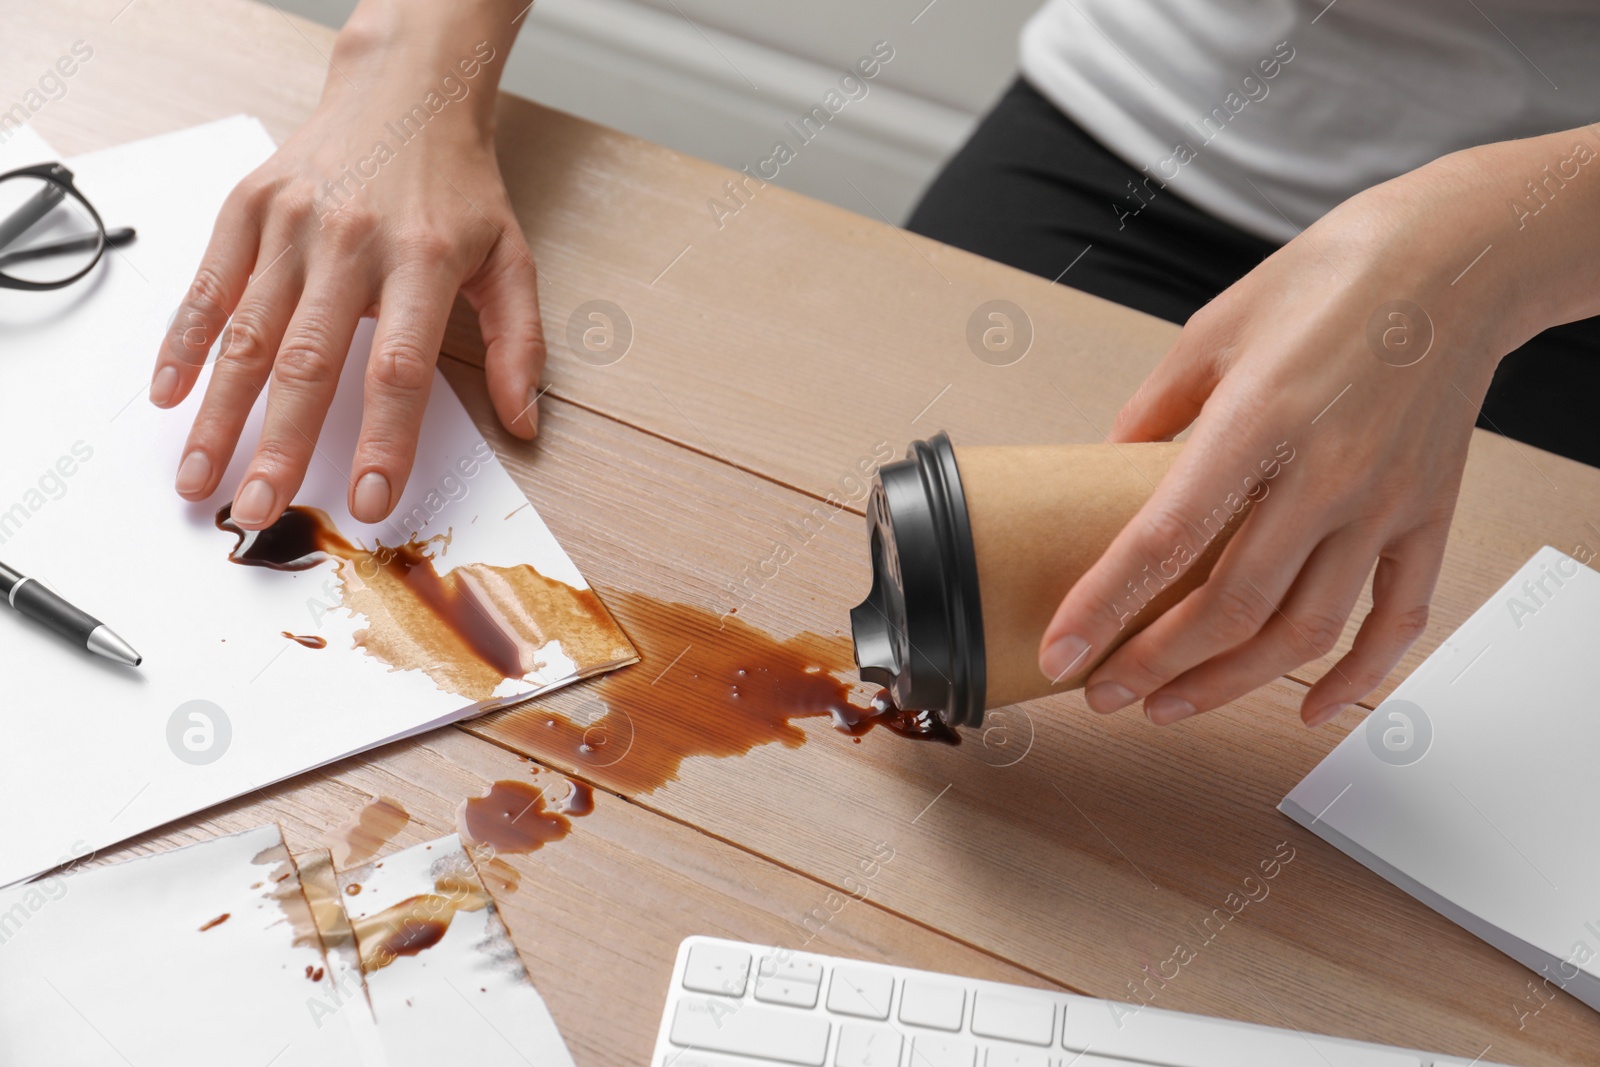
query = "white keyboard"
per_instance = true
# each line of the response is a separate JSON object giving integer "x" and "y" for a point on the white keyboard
{"x": 737, "y": 1005}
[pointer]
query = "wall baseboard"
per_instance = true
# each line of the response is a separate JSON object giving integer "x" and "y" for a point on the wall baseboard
{"x": 726, "y": 99}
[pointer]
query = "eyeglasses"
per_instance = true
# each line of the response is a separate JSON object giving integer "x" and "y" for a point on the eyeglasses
{"x": 50, "y": 235}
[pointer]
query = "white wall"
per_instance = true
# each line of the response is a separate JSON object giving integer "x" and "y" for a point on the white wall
{"x": 958, "y": 52}
{"x": 719, "y": 78}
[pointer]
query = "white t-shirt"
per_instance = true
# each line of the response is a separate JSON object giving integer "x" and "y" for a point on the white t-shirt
{"x": 1268, "y": 113}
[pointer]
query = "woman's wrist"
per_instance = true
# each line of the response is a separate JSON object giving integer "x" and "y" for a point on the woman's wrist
{"x": 417, "y": 48}
{"x": 394, "y": 28}
{"x": 1528, "y": 212}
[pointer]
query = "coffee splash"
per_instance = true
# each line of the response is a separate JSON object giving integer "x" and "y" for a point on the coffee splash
{"x": 416, "y": 923}
{"x": 707, "y": 685}
{"x": 320, "y": 885}
{"x": 284, "y": 889}
{"x": 468, "y": 629}
{"x": 374, "y": 827}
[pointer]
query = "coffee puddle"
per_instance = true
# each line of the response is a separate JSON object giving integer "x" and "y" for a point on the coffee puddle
{"x": 517, "y": 817}
{"x": 707, "y": 685}
{"x": 468, "y": 629}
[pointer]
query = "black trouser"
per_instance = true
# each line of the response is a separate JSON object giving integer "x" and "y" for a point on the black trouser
{"x": 1034, "y": 190}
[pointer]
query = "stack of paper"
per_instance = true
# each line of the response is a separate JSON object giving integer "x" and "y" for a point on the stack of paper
{"x": 230, "y": 952}
{"x": 233, "y": 693}
{"x": 1469, "y": 787}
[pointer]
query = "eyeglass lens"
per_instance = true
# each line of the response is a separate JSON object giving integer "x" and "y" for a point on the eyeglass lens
{"x": 47, "y": 234}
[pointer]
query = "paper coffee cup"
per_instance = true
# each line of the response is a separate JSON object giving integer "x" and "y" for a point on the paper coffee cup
{"x": 973, "y": 550}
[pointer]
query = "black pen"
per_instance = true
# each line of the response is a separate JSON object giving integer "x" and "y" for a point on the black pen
{"x": 32, "y": 599}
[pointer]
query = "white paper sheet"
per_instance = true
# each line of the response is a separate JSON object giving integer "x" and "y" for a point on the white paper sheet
{"x": 93, "y": 752}
{"x": 22, "y": 147}
{"x": 200, "y": 956}
{"x": 464, "y": 999}
{"x": 216, "y": 954}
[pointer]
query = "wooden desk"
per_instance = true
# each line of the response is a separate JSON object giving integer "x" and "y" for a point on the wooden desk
{"x": 769, "y": 357}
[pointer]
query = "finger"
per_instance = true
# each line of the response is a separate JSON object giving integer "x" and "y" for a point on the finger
{"x": 1307, "y": 627}
{"x": 506, "y": 297}
{"x": 413, "y": 311}
{"x": 1173, "y": 394}
{"x": 1096, "y": 609}
{"x": 1402, "y": 588}
{"x": 1243, "y": 591}
{"x": 305, "y": 375}
{"x": 249, "y": 345}
{"x": 215, "y": 291}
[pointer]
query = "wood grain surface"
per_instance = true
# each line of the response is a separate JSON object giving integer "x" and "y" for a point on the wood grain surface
{"x": 769, "y": 359}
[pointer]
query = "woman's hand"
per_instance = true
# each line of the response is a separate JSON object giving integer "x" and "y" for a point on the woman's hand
{"x": 1335, "y": 386}
{"x": 387, "y": 202}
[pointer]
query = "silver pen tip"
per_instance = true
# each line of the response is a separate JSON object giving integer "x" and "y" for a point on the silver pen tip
{"x": 105, "y": 642}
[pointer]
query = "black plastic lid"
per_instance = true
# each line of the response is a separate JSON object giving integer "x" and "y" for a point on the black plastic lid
{"x": 919, "y": 632}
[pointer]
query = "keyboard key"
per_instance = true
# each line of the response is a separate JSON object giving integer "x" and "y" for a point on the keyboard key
{"x": 930, "y": 1051}
{"x": 745, "y": 1030}
{"x": 867, "y": 1046}
{"x": 793, "y": 969}
{"x": 795, "y": 981}
{"x": 860, "y": 992}
{"x": 779, "y": 991}
{"x": 932, "y": 1004}
{"x": 716, "y": 969}
{"x": 1031, "y": 1020}
{"x": 1019, "y": 1057}
{"x": 1151, "y": 1035}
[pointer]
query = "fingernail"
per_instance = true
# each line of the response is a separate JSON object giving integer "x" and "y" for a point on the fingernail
{"x": 164, "y": 386}
{"x": 1107, "y": 697}
{"x": 193, "y": 473}
{"x": 1166, "y": 709}
{"x": 1317, "y": 718}
{"x": 372, "y": 497}
{"x": 1063, "y": 657}
{"x": 530, "y": 411}
{"x": 253, "y": 504}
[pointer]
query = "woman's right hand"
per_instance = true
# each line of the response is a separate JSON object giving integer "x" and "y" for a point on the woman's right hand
{"x": 348, "y": 220}
{"x": 1364, "y": 347}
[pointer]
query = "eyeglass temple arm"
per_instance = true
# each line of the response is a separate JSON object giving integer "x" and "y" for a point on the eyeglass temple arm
{"x": 32, "y": 210}
{"x": 86, "y": 243}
